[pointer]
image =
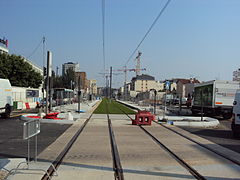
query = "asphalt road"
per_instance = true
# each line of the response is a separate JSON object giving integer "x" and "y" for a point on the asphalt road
{"x": 12, "y": 143}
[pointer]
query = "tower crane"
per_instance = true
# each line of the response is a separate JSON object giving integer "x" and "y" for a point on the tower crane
{"x": 125, "y": 70}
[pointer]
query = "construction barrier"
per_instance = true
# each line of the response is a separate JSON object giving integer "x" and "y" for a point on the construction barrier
{"x": 143, "y": 118}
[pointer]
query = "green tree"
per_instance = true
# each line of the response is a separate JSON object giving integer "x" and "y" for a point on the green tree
{"x": 57, "y": 81}
{"x": 68, "y": 78}
{"x": 18, "y": 71}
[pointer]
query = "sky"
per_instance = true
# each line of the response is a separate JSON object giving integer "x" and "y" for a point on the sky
{"x": 192, "y": 38}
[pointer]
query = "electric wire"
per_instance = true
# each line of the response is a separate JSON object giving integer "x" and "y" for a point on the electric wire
{"x": 103, "y": 34}
{"x": 33, "y": 52}
{"x": 148, "y": 31}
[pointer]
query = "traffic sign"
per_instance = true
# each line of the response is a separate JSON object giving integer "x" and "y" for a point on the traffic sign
{"x": 167, "y": 85}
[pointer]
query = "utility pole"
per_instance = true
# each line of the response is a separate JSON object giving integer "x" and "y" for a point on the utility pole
{"x": 110, "y": 82}
{"x": 107, "y": 86}
{"x": 49, "y": 73}
{"x": 79, "y": 94}
{"x": 43, "y": 41}
{"x": 57, "y": 71}
{"x": 125, "y": 82}
{"x": 155, "y": 99}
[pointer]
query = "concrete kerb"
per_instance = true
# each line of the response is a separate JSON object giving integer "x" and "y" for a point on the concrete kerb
{"x": 182, "y": 120}
{"x": 190, "y": 121}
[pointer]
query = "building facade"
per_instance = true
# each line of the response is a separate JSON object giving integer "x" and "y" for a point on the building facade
{"x": 236, "y": 75}
{"x": 4, "y": 46}
{"x": 82, "y": 77}
{"x": 70, "y": 65}
{"x": 144, "y": 83}
{"x": 93, "y": 86}
{"x": 185, "y": 87}
{"x": 34, "y": 66}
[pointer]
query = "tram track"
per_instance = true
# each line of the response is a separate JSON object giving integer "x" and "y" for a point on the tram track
{"x": 116, "y": 162}
{"x": 200, "y": 144}
{"x": 58, "y": 161}
{"x": 192, "y": 140}
{"x": 183, "y": 163}
{"x": 117, "y": 167}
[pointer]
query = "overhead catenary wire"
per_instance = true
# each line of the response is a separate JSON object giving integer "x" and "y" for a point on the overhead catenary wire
{"x": 103, "y": 35}
{"x": 149, "y": 30}
{"x": 33, "y": 52}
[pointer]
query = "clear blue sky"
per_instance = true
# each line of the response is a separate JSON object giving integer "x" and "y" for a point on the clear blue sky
{"x": 199, "y": 38}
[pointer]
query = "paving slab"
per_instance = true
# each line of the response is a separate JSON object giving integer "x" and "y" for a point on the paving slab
{"x": 204, "y": 161}
{"x": 90, "y": 156}
{"x": 141, "y": 158}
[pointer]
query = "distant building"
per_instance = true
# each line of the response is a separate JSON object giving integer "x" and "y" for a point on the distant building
{"x": 144, "y": 82}
{"x": 83, "y": 80}
{"x": 236, "y": 75}
{"x": 70, "y": 65}
{"x": 185, "y": 86}
{"x": 93, "y": 86}
{"x": 4, "y": 46}
{"x": 35, "y": 67}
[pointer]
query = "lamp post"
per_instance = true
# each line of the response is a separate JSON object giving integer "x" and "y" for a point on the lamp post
{"x": 155, "y": 99}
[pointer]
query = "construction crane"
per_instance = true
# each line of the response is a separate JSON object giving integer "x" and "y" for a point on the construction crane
{"x": 138, "y": 65}
{"x": 125, "y": 70}
{"x": 108, "y": 75}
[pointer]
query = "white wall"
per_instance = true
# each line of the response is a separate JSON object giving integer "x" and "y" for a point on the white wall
{"x": 19, "y": 94}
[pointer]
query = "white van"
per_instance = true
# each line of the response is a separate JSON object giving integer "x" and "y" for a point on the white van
{"x": 236, "y": 115}
{"x": 6, "y": 102}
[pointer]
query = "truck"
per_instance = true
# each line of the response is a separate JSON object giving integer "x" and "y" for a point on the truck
{"x": 6, "y": 102}
{"x": 167, "y": 98}
{"x": 214, "y": 98}
{"x": 236, "y": 115}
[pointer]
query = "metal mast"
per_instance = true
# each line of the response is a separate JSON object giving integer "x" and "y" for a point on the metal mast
{"x": 138, "y": 65}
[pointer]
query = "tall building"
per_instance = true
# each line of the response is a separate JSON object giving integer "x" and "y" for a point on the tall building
{"x": 70, "y": 65}
{"x": 4, "y": 46}
{"x": 236, "y": 75}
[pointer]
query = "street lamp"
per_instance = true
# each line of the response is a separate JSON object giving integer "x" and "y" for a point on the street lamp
{"x": 155, "y": 95}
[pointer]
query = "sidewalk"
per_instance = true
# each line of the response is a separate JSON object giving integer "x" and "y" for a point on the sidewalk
{"x": 50, "y": 153}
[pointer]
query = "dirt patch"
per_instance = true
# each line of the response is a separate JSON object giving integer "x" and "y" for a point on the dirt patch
{"x": 3, "y": 174}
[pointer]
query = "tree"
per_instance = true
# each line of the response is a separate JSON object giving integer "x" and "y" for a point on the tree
{"x": 68, "y": 78}
{"x": 19, "y": 72}
{"x": 64, "y": 81}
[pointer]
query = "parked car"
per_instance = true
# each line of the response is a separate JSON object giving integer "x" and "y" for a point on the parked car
{"x": 236, "y": 115}
{"x": 43, "y": 102}
{"x": 177, "y": 101}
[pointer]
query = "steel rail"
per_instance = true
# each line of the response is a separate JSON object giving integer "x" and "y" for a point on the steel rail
{"x": 192, "y": 140}
{"x": 176, "y": 157}
{"x": 57, "y": 162}
{"x": 202, "y": 145}
{"x": 117, "y": 167}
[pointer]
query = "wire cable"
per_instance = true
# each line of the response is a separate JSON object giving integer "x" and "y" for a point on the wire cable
{"x": 33, "y": 52}
{"x": 148, "y": 31}
{"x": 103, "y": 34}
